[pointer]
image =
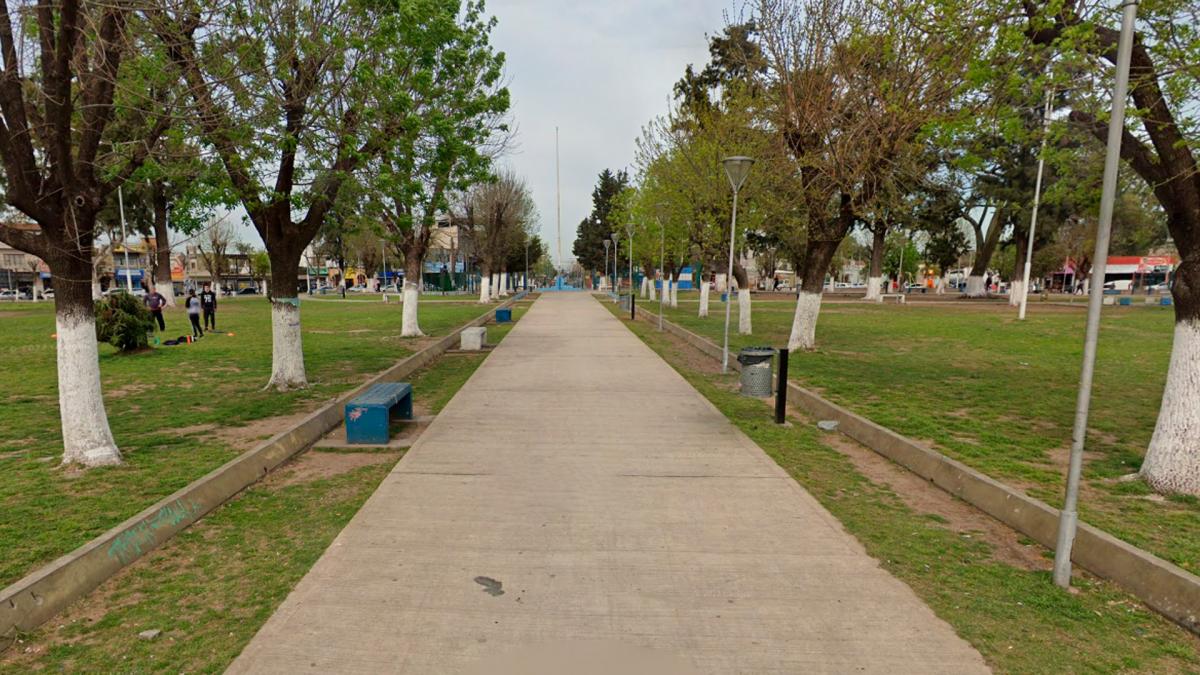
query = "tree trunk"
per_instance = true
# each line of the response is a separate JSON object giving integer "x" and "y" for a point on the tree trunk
{"x": 87, "y": 439}
{"x": 703, "y": 298}
{"x": 1017, "y": 286}
{"x": 875, "y": 277}
{"x": 503, "y": 282}
{"x": 1172, "y": 463}
{"x": 162, "y": 249}
{"x": 675, "y": 289}
{"x": 817, "y": 259}
{"x": 745, "y": 323}
{"x": 287, "y": 348}
{"x": 485, "y": 289}
{"x": 409, "y": 325}
{"x": 985, "y": 247}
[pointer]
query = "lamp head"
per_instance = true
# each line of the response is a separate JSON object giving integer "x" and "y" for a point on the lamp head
{"x": 616, "y": 238}
{"x": 607, "y": 243}
{"x": 737, "y": 168}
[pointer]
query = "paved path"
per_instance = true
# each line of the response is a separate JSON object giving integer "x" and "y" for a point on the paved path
{"x": 616, "y": 509}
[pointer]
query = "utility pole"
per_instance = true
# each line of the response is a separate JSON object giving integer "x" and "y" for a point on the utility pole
{"x": 1037, "y": 198}
{"x": 124, "y": 241}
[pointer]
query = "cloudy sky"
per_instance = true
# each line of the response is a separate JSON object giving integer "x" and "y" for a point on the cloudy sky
{"x": 598, "y": 71}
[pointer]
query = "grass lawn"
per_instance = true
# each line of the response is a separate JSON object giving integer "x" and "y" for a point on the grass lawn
{"x": 1010, "y": 611}
{"x": 998, "y": 394}
{"x": 211, "y": 587}
{"x": 176, "y": 412}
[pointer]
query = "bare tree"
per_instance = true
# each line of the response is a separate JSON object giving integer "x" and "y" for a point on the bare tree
{"x": 213, "y": 246}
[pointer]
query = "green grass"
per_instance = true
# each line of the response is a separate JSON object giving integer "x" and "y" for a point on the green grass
{"x": 176, "y": 412}
{"x": 211, "y": 588}
{"x": 998, "y": 394}
{"x": 1016, "y": 618}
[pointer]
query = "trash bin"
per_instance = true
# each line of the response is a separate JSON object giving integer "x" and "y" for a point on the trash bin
{"x": 756, "y": 370}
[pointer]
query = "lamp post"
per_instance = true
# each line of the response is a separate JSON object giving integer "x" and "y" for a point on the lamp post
{"x": 736, "y": 168}
{"x": 1069, "y": 516}
{"x": 124, "y": 241}
{"x": 629, "y": 231}
{"x": 1037, "y": 198}
{"x": 662, "y": 257}
{"x": 526, "y": 279}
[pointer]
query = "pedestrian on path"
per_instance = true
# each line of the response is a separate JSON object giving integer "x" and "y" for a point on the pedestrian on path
{"x": 155, "y": 302}
{"x": 193, "y": 310}
{"x": 208, "y": 303}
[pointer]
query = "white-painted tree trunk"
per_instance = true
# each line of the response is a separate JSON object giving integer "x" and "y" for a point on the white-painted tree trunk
{"x": 874, "y": 288}
{"x": 503, "y": 284}
{"x": 975, "y": 287}
{"x": 495, "y": 286}
{"x": 287, "y": 349}
{"x": 646, "y": 284}
{"x": 804, "y": 321}
{"x": 96, "y": 292}
{"x": 39, "y": 289}
{"x": 1172, "y": 463}
{"x": 409, "y": 326}
{"x": 1014, "y": 293}
{"x": 675, "y": 294}
{"x": 942, "y": 283}
{"x": 720, "y": 283}
{"x": 1087, "y": 285}
{"x": 703, "y": 299}
{"x": 485, "y": 290}
{"x": 87, "y": 439}
{"x": 666, "y": 293}
{"x": 168, "y": 292}
{"x": 744, "y": 323}
{"x": 653, "y": 290}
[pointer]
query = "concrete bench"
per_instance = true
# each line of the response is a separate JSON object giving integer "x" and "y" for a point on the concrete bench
{"x": 900, "y": 297}
{"x": 368, "y": 414}
{"x": 472, "y": 339}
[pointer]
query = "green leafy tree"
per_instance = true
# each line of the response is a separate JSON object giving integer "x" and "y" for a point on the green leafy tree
{"x": 589, "y": 237}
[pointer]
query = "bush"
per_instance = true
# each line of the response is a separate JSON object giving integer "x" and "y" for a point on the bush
{"x": 124, "y": 322}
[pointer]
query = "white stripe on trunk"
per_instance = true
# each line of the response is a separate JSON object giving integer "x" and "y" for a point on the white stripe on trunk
{"x": 87, "y": 439}
{"x": 503, "y": 284}
{"x": 874, "y": 288}
{"x": 287, "y": 350}
{"x": 495, "y": 286}
{"x": 1172, "y": 463}
{"x": 703, "y": 299}
{"x": 942, "y": 283}
{"x": 675, "y": 294}
{"x": 975, "y": 287}
{"x": 804, "y": 321}
{"x": 646, "y": 287}
{"x": 409, "y": 327}
{"x": 1014, "y": 293}
{"x": 485, "y": 291}
{"x": 744, "y": 323}
{"x": 666, "y": 294}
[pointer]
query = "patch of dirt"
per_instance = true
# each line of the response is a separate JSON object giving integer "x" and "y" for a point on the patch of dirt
{"x": 315, "y": 465}
{"x": 194, "y": 429}
{"x": 129, "y": 390}
{"x": 924, "y": 497}
{"x": 246, "y": 437}
{"x": 1060, "y": 457}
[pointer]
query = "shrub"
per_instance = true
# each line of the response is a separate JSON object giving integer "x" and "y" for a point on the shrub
{"x": 124, "y": 322}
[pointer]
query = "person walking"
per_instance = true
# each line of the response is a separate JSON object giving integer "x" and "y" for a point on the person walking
{"x": 208, "y": 303}
{"x": 193, "y": 310}
{"x": 155, "y": 302}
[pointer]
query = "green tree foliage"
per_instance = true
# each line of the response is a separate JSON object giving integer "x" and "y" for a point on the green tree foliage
{"x": 589, "y": 237}
{"x": 124, "y": 322}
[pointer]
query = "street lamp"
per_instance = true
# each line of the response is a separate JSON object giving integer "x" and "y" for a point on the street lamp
{"x": 662, "y": 257}
{"x": 629, "y": 231}
{"x": 736, "y": 168}
{"x": 1069, "y": 516}
{"x": 124, "y": 241}
{"x": 1037, "y": 197}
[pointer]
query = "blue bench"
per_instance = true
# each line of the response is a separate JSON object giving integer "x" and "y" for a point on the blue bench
{"x": 504, "y": 315}
{"x": 368, "y": 414}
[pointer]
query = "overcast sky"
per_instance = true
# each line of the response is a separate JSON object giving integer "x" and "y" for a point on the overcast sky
{"x": 599, "y": 71}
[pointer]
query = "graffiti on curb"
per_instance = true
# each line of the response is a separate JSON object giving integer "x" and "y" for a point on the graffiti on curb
{"x": 130, "y": 544}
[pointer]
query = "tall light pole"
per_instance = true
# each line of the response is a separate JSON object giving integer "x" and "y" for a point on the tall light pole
{"x": 662, "y": 258}
{"x": 629, "y": 231}
{"x": 124, "y": 241}
{"x": 526, "y": 279}
{"x": 1069, "y": 516}
{"x": 1037, "y": 198}
{"x": 616, "y": 240}
{"x": 736, "y": 168}
{"x": 558, "y": 206}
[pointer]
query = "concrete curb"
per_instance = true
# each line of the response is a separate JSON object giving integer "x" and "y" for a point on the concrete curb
{"x": 1167, "y": 588}
{"x": 40, "y": 595}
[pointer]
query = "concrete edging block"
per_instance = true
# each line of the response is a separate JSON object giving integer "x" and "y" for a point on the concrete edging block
{"x": 1167, "y": 588}
{"x": 40, "y": 595}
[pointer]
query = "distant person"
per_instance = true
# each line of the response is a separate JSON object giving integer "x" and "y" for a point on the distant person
{"x": 208, "y": 303}
{"x": 193, "y": 309}
{"x": 987, "y": 284}
{"x": 155, "y": 302}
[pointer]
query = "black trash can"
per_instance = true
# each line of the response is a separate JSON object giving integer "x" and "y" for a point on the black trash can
{"x": 756, "y": 371}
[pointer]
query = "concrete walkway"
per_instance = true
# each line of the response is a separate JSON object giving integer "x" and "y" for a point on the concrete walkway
{"x": 579, "y": 507}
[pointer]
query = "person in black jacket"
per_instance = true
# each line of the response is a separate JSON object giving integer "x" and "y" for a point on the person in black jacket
{"x": 208, "y": 302}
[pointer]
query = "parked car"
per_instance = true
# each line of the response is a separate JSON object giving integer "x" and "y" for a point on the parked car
{"x": 390, "y": 288}
{"x": 248, "y": 291}
{"x": 1119, "y": 285}
{"x": 9, "y": 295}
{"x": 1164, "y": 287}
{"x": 48, "y": 294}
{"x": 137, "y": 292}
{"x": 915, "y": 288}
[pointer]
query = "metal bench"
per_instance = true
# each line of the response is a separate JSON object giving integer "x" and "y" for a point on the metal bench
{"x": 368, "y": 414}
{"x": 900, "y": 297}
